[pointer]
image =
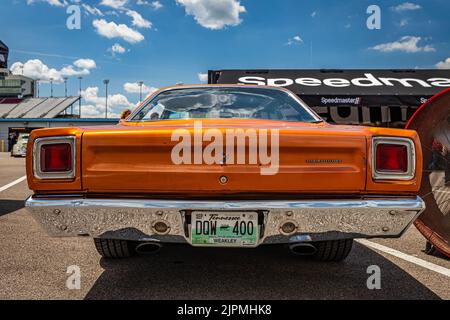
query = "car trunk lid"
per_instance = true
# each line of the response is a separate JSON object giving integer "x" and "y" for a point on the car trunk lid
{"x": 138, "y": 158}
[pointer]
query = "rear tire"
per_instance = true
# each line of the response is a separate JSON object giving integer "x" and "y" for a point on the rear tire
{"x": 114, "y": 249}
{"x": 335, "y": 250}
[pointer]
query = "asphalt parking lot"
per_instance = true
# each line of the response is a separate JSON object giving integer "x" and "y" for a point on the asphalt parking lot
{"x": 34, "y": 266}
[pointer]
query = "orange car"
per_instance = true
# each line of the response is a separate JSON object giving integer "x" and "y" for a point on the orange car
{"x": 225, "y": 166}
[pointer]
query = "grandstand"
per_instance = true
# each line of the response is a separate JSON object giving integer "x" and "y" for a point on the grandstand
{"x": 38, "y": 108}
{"x": 58, "y": 109}
{"x": 7, "y": 104}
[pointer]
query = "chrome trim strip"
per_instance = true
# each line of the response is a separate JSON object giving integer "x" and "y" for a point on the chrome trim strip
{"x": 38, "y": 174}
{"x": 394, "y": 203}
{"x": 133, "y": 219}
{"x": 411, "y": 150}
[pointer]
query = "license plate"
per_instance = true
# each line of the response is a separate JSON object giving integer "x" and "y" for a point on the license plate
{"x": 224, "y": 229}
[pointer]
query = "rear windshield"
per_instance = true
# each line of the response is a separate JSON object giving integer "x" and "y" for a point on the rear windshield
{"x": 224, "y": 102}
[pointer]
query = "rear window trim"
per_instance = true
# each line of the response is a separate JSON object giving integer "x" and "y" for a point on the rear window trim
{"x": 317, "y": 118}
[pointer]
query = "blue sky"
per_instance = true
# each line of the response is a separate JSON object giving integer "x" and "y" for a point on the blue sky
{"x": 168, "y": 41}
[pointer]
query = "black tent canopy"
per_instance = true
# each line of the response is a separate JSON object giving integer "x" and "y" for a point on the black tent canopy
{"x": 350, "y": 96}
{"x": 4, "y": 51}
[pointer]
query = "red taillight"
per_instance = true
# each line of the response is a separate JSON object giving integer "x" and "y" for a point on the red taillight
{"x": 391, "y": 158}
{"x": 56, "y": 157}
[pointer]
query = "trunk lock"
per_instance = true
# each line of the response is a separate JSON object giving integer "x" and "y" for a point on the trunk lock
{"x": 223, "y": 180}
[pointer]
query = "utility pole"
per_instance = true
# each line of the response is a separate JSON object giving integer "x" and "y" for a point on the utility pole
{"x": 140, "y": 91}
{"x": 106, "y": 82}
{"x": 79, "y": 93}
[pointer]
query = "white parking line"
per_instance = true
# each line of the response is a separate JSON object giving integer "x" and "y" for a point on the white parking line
{"x": 406, "y": 257}
{"x": 9, "y": 185}
{"x": 442, "y": 191}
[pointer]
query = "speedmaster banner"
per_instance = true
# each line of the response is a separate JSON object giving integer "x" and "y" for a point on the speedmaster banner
{"x": 346, "y": 87}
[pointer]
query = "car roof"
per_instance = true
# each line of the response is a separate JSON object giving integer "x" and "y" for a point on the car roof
{"x": 231, "y": 85}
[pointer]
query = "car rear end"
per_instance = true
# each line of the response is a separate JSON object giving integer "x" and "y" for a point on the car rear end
{"x": 121, "y": 184}
{"x": 312, "y": 183}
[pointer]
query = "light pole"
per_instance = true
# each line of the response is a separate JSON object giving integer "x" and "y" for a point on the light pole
{"x": 37, "y": 87}
{"x": 65, "y": 94}
{"x": 140, "y": 91}
{"x": 65, "y": 86}
{"x": 79, "y": 92}
{"x": 51, "y": 87}
{"x": 106, "y": 82}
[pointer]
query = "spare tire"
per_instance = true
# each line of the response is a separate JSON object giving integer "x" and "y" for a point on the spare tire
{"x": 432, "y": 123}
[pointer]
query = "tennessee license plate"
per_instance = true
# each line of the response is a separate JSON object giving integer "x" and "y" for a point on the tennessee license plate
{"x": 224, "y": 229}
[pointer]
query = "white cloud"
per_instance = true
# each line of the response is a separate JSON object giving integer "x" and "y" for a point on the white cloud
{"x": 36, "y": 69}
{"x": 117, "y": 48}
{"x": 444, "y": 64}
{"x": 406, "y": 6}
{"x": 133, "y": 87}
{"x": 314, "y": 14}
{"x": 94, "y": 106}
{"x": 115, "y": 4}
{"x": 138, "y": 20}
{"x": 202, "y": 77}
{"x": 112, "y": 30}
{"x": 92, "y": 10}
{"x": 85, "y": 64}
{"x": 403, "y": 22}
{"x": 156, "y": 5}
{"x": 214, "y": 14}
{"x": 294, "y": 40}
{"x": 112, "y": 13}
{"x": 70, "y": 71}
{"x": 56, "y": 3}
{"x": 407, "y": 44}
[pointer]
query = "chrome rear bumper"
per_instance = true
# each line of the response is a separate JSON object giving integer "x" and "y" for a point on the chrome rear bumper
{"x": 315, "y": 220}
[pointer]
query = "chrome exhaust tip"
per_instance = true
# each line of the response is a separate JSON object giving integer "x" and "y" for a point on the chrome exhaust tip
{"x": 148, "y": 248}
{"x": 303, "y": 249}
